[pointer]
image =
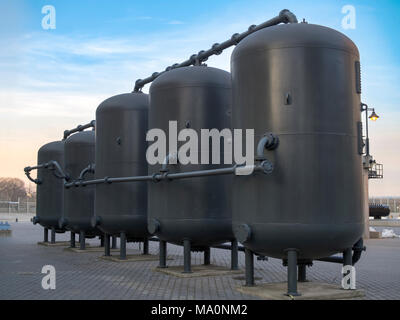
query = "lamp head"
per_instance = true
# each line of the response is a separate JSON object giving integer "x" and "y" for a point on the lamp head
{"x": 373, "y": 116}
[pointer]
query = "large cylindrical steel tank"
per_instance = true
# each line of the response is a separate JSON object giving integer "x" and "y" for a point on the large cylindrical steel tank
{"x": 121, "y": 127}
{"x": 302, "y": 83}
{"x": 79, "y": 201}
{"x": 196, "y": 209}
{"x": 50, "y": 190}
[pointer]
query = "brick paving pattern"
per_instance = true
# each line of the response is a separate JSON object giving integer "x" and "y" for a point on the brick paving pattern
{"x": 86, "y": 276}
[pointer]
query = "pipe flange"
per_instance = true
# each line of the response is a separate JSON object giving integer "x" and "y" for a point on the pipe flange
{"x": 153, "y": 226}
{"x": 215, "y": 48}
{"x": 62, "y": 223}
{"x": 235, "y": 38}
{"x": 95, "y": 221}
{"x": 154, "y": 177}
{"x": 242, "y": 232}
{"x": 267, "y": 166}
{"x": 35, "y": 220}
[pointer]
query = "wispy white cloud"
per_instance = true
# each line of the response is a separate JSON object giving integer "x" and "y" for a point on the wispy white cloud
{"x": 176, "y": 22}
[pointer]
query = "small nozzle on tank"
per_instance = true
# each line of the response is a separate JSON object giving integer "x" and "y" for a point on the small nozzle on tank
{"x": 95, "y": 221}
{"x": 242, "y": 232}
{"x": 62, "y": 223}
{"x": 153, "y": 226}
{"x": 35, "y": 220}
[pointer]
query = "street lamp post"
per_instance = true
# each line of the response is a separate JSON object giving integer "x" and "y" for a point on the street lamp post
{"x": 373, "y": 117}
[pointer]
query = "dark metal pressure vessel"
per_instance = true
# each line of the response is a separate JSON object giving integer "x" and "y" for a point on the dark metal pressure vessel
{"x": 198, "y": 210}
{"x": 50, "y": 190}
{"x": 302, "y": 83}
{"x": 79, "y": 201}
{"x": 121, "y": 126}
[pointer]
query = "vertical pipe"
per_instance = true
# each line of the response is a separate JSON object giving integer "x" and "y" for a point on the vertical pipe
{"x": 292, "y": 272}
{"x": 53, "y": 235}
{"x": 114, "y": 242}
{"x": 102, "y": 241}
{"x": 163, "y": 254}
{"x": 347, "y": 261}
{"x": 207, "y": 256}
{"x": 72, "y": 239}
{"x": 234, "y": 255}
{"x": 122, "y": 249}
{"x": 82, "y": 240}
{"x": 146, "y": 246}
{"x": 187, "y": 268}
{"x": 249, "y": 260}
{"x": 302, "y": 276}
{"x": 347, "y": 257}
{"x": 107, "y": 245}
{"x": 366, "y": 131}
{"x": 46, "y": 235}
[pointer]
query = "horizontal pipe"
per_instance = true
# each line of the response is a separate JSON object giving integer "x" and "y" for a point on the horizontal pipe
{"x": 91, "y": 124}
{"x": 28, "y": 170}
{"x": 172, "y": 176}
{"x": 51, "y": 165}
{"x": 285, "y": 16}
{"x": 358, "y": 248}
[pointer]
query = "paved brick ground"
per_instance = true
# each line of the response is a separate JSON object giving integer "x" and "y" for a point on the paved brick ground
{"x": 85, "y": 276}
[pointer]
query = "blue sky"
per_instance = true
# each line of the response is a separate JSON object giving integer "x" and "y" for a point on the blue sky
{"x": 51, "y": 80}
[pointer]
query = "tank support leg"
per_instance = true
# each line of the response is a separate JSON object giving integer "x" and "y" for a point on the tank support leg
{"x": 122, "y": 249}
{"x": 234, "y": 255}
{"x": 347, "y": 257}
{"x": 53, "y": 235}
{"x": 207, "y": 256}
{"x": 114, "y": 243}
{"x": 146, "y": 246}
{"x": 82, "y": 240}
{"x": 107, "y": 245}
{"x": 163, "y": 254}
{"x": 347, "y": 261}
{"x": 187, "y": 268}
{"x": 72, "y": 240}
{"x": 302, "y": 276}
{"x": 102, "y": 241}
{"x": 46, "y": 235}
{"x": 249, "y": 260}
{"x": 292, "y": 273}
